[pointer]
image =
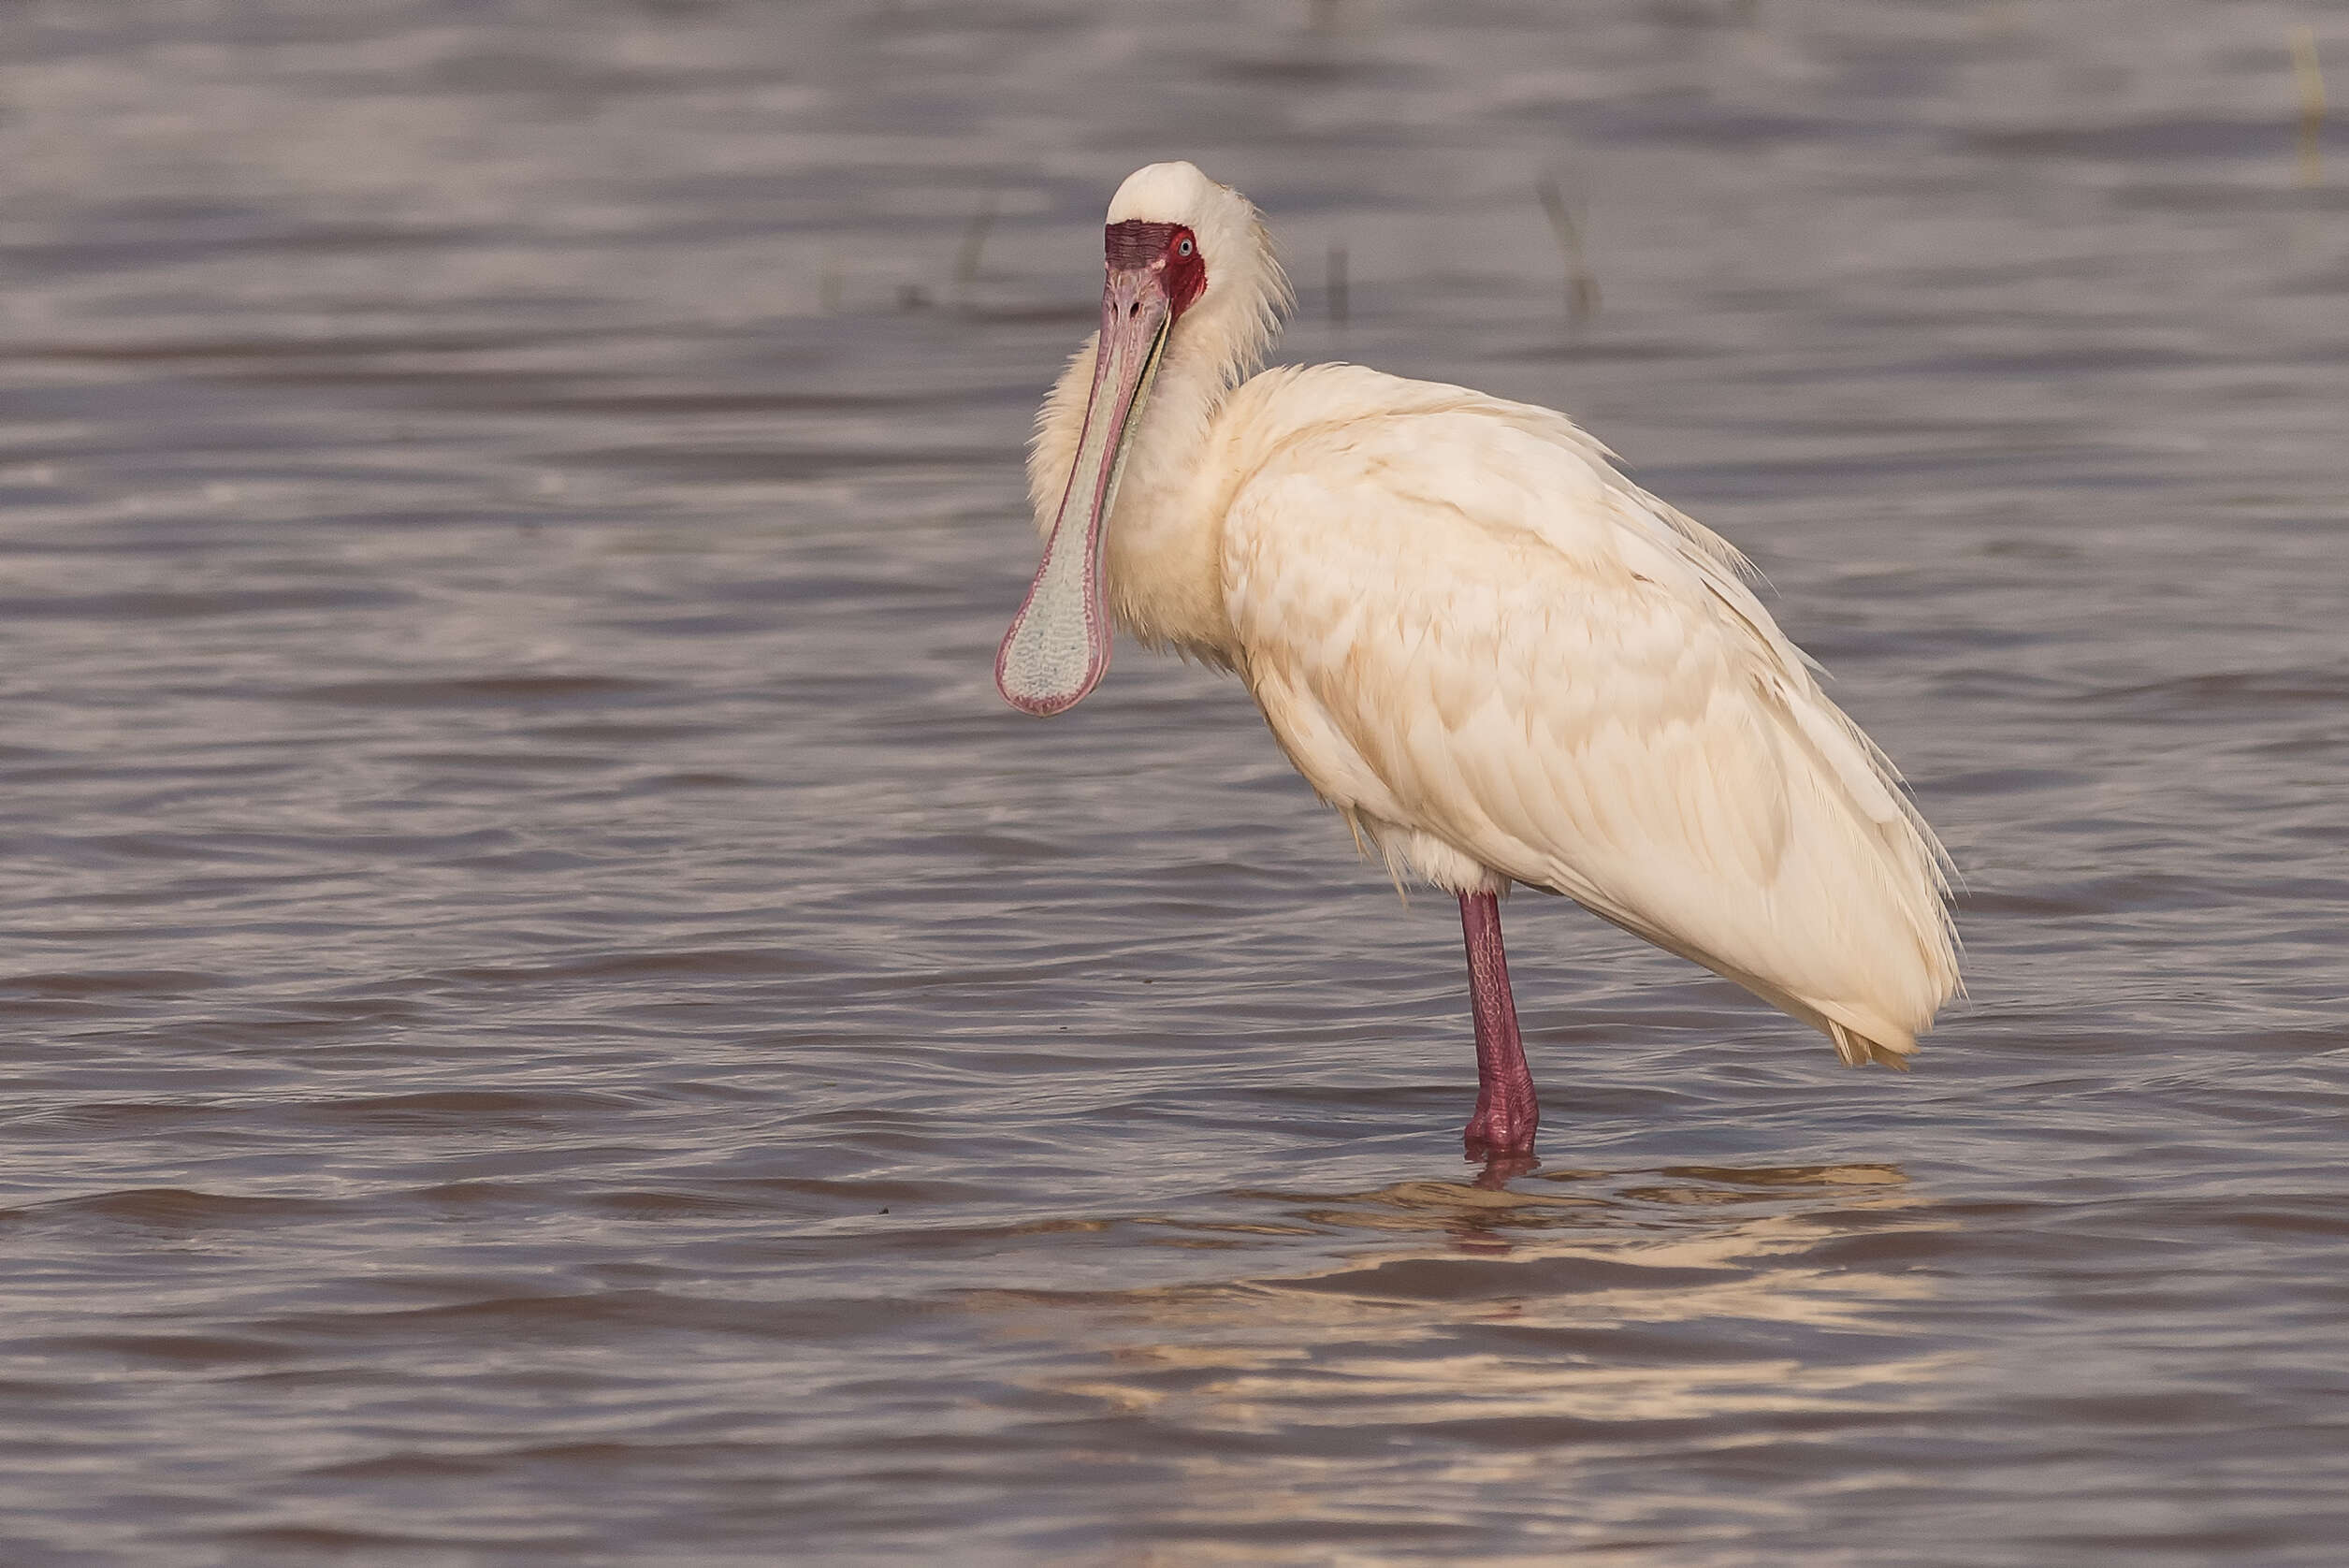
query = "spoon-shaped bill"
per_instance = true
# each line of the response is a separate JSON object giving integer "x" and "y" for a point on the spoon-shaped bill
{"x": 1058, "y": 647}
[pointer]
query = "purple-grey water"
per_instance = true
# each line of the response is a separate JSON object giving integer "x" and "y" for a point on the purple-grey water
{"x": 551, "y": 1016}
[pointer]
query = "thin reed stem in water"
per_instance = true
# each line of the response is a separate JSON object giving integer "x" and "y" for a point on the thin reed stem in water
{"x": 2308, "y": 73}
{"x": 1581, "y": 284}
{"x": 974, "y": 245}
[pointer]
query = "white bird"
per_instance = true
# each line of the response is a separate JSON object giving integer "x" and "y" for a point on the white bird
{"x": 1501, "y": 661}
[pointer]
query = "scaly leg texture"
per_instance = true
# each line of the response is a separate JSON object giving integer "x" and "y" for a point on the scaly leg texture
{"x": 1506, "y": 1112}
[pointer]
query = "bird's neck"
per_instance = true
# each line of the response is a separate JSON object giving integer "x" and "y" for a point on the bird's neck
{"x": 1164, "y": 565}
{"x": 1164, "y": 542}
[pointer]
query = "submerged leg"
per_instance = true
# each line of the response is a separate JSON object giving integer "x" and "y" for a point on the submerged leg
{"x": 1506, "y": 1113}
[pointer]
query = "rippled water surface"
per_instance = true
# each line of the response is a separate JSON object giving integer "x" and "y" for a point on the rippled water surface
{"x": 551, "y": 1016}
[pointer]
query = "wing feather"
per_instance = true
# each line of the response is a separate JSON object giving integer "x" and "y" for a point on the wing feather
{"x": 1464, "y": 625}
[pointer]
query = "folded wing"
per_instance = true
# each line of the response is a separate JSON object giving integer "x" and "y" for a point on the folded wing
{"x": 1464, "y": 626}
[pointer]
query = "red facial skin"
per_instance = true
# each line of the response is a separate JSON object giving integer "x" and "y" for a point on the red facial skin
{"x": 1170, "y": 250}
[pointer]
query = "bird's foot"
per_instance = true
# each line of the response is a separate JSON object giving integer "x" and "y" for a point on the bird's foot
{"x": 1501, "y": 1169}
{"x": 1502, "y": 1128}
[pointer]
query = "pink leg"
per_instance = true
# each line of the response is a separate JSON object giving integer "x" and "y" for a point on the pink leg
{"x": 1506, "y": 1112}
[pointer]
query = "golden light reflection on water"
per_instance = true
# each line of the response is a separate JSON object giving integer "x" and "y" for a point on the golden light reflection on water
{"x": 1535, "y": 1337}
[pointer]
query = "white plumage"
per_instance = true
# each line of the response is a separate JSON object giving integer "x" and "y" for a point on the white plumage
{"x": 1501, "y": 661}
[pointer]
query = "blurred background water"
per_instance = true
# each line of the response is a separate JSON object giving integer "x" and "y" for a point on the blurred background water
{"x": 551, "y": 1016}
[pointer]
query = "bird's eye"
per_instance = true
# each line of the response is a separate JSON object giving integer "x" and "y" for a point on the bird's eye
{"x": 1184, "y": 249}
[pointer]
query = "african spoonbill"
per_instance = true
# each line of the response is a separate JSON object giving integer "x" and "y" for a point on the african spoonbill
{"x": 1499, "y": 660}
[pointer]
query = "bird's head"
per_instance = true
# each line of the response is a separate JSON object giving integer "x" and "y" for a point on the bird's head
{"x": 1207, "y": 244}
{"x": 1190, "y": 274}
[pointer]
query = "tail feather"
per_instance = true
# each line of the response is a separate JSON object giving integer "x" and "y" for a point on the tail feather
{"x": 1858, "y": 1051}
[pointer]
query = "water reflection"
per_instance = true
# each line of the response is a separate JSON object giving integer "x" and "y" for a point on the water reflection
{"x": 1525, "y": 1311}
{"x": 1600, "y": 1333}
{"x": 1501, "y": 1169}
